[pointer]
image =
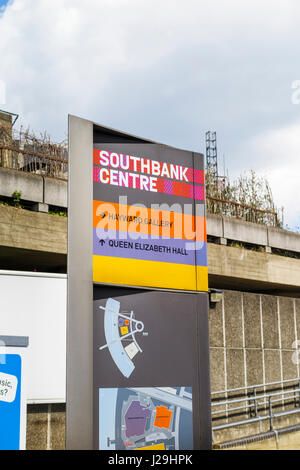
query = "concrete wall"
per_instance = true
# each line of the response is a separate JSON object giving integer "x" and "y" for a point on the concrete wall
{"x": 242, "y": 269}
{"x": 46, "y": 427}
{"x": 248, "y": 232}
{"x": 34, "y": 188}
{"x": 30, "y": 230}
{"x": 251, "y": 341}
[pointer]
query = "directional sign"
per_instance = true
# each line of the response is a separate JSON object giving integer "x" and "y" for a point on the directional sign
{"x": 149, "y": 226}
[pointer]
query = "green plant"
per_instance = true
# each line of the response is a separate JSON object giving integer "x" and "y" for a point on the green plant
{"x": 60, "y": 213}
{"x": 16, "y": 196}
{"x": 3, "y": 203}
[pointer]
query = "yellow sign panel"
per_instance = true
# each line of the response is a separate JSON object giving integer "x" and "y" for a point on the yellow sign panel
{"x": 154, "y": 447}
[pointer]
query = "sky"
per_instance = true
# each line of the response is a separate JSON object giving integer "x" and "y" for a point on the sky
{"x": 165, "y": 70}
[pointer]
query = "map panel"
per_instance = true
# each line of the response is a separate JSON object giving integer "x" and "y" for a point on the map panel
{"x": 146, "y": 418}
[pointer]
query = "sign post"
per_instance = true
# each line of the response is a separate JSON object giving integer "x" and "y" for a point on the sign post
{"x": 137, "y": 357}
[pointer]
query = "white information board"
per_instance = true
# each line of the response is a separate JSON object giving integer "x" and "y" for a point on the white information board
{"x": 34, "y": 305}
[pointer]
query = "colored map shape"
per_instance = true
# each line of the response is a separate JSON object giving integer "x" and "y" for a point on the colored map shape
{"x": 163, "y": 417}
{"x": 124, "y": 330}
{"x": 136, "y": 419}
{"x": 154, "y": 447}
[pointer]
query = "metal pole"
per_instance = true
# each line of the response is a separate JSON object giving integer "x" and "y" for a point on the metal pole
{"x": 255, "y": 402}
{"x": 270, "y": 414}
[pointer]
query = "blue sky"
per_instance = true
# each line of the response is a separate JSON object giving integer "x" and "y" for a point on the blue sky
{"x": 166, "y": 70}
{"x": 3, "y": 3}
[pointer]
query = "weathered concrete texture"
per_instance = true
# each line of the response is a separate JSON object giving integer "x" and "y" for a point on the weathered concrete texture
{"x": 270, "y": 322}
{"x": 46, "y": 427}
{"x": 34, "y": 188}
{"x": 272, "y": 365}
{"x": 32, "y": 230}
{"x": 297, "y": 314}
{"x": 37, "y": 427}
{"x": 289, "y": 441}
{"x": 56, "y": 192}
{"x": 266, "y": 357}
{"x": 30, "y": 185}
{"x": 217, "y": 376}
{"x": 284, "y": 239}
{"x": 247, "y": 232}
{"x": 289, "y": 369}
{"x": 6, "y": 123}
{"x": 251, "y": 308}
{"x": 254, "y": 367}
{"x": 238, "y": 263}
{"x": 233, "y": 319}
{"x": 58, "y": 427}
{"x": 287, "y": 324}
{"x": 235, "y": 368}
{"x": 214, "y": 225}
{"x": 216, "y": 326}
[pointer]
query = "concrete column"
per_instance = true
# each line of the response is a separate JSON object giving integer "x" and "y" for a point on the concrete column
{"x": 41, "y": 207}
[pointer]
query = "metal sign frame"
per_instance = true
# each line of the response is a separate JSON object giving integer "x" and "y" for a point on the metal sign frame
{"x": 79, "y": 386}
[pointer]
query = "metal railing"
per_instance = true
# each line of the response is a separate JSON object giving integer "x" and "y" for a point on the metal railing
{"x": 248, "y": 213}
{"x": 33, "y": 162}
{"x": 257, "y": 403}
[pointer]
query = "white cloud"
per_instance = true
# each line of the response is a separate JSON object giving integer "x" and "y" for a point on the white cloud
{"x": 164, "y": 69}
{"x": 277, "y": 157}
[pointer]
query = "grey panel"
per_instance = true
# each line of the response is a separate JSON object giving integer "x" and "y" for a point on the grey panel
{"x": 14, "y": 341}
{"x": 173, "y": 352}
{"x": 79, "y": 433}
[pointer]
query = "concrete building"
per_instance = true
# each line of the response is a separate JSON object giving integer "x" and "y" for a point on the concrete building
{"x": 254, "y": 330}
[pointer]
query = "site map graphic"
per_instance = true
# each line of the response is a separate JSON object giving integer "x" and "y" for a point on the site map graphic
{"x": 145, "y": 418}
{"x": 120, "y": 329}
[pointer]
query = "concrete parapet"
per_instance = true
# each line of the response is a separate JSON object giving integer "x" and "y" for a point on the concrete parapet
{"x": 30, "y": 185}
{"x": 56, "y": 192}
{"x": 284, "y": 239}
{"x": 247, "y": 232}
{"x": 214, "y": 225}
{"x": 34, "y": 188}
{"x": 229, "y": 228}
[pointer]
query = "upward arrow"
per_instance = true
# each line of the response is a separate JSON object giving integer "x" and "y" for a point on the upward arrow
{"x": 102, "y": 242}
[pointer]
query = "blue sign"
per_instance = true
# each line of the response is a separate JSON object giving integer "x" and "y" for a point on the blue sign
{"x": 10, "y": 401}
